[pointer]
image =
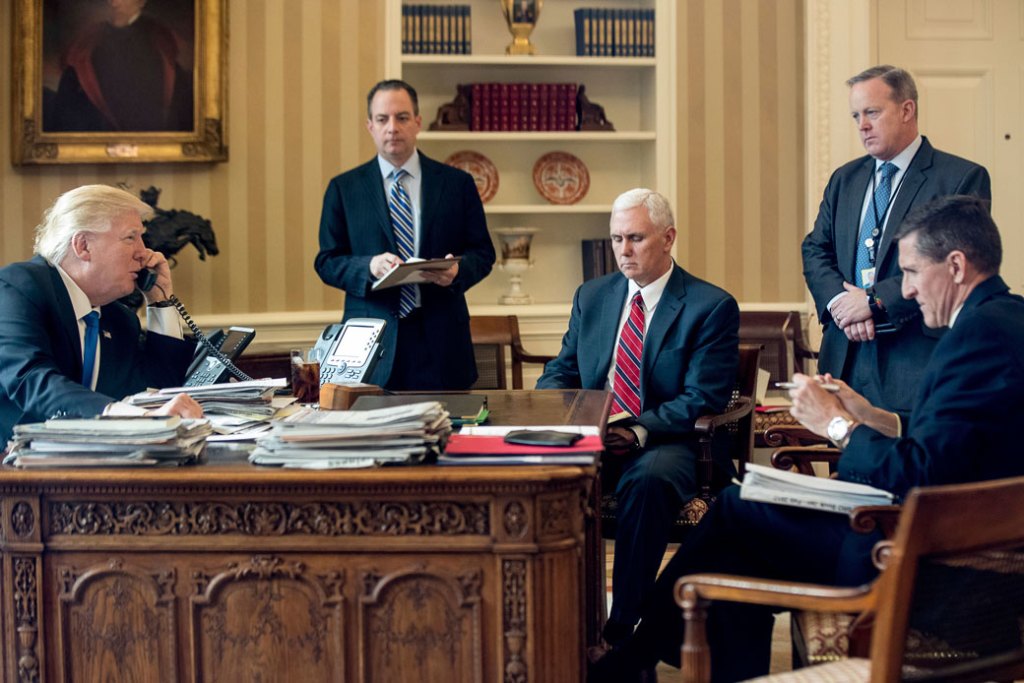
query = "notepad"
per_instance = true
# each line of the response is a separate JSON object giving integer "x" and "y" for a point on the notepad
{"x": 411, "y": 272}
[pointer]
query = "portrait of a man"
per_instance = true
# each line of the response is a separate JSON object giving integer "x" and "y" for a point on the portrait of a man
{"x": 118, "y": 65}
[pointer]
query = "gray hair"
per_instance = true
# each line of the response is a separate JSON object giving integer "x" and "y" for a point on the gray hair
{"x": 90, "y": 208}
{"x": 956, "y": 223}
{"x": 901, "y": 82}
{"x": 658, "y": 208}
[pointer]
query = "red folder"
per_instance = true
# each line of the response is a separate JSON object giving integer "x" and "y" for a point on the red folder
{"x": 463, "y": 444}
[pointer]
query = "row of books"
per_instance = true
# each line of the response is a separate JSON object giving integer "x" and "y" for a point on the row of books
{"x": 614, "y": 32}
{"x": 436, "y": 30}
{"x": 598, "y": 259}
{"x": 523, "y": 106}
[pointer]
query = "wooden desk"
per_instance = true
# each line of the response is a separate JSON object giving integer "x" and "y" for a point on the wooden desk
{"x": 228, "y": 572}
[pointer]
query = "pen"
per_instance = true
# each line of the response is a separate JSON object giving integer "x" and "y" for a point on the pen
{"x": 831, "y": 388}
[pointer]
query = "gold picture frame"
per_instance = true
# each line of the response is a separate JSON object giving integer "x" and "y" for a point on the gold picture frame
{"x": 60, "y": 113}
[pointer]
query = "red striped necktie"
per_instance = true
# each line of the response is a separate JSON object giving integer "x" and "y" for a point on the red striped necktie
{"x": 628, "y": 357}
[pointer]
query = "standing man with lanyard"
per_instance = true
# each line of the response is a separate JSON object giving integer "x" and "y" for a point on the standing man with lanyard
{"x": 872, "y": 337}
{"x": 398, "y": 205}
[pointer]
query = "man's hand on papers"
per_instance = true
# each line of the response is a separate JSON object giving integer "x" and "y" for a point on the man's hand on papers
{"x": 382, "y": 263}
{"x": 442, "y": 278}
{"x": 181, "y": 405}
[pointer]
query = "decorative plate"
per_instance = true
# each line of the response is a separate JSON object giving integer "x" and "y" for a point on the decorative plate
{"x": 484, "y": 173}
{"x": 561, "y": 178}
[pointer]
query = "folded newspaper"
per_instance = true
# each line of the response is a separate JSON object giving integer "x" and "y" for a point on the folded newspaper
{"x": 108, "y": 442}
{"x": 769, "y": 485}
{"x": 313, "y": 439}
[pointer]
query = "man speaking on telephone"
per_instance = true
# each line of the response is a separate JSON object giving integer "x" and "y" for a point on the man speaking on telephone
{"x": 67, "y": 346}
{"x": 398, "y": 205}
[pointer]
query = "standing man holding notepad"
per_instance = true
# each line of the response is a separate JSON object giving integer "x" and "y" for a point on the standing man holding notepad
{"x": 402, "y": 205}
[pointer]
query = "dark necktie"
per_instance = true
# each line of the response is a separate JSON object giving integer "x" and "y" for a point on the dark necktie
{"x": 871, "y": 229}
{"x": 92, "y": 340}
{"x": 400, "y": 207}
{"x": 628, "y": 356}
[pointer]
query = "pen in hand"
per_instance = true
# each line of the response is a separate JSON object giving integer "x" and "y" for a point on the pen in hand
{"x": 831, "y": 388}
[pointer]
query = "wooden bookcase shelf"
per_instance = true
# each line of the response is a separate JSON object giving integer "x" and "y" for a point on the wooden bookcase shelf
{"x": 638, "y": 95}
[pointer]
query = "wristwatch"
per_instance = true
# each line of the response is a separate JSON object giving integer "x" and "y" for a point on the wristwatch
{"x": 839, "y": 430}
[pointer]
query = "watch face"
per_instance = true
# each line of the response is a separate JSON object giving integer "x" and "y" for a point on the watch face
{"x": 838, "y": 428}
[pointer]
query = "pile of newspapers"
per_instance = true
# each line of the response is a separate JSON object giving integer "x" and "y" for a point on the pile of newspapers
{"x": 232, "y": 408}
{"x": 108, "y": 442}
{"x": 325, "y": 439}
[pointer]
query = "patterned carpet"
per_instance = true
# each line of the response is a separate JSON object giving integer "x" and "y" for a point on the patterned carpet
{"x": 781, "y": 654}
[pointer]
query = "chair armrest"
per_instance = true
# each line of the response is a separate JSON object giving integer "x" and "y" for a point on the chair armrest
{"x": 693, "y": 592}
{"x": 868, "y": 518}
{"x": 801, "y": 458}
{"x": 791, "y": 435}
{"x": 786, "y": 594}
{"x": 532, "y": 357}
{"x": 707, "y": 424}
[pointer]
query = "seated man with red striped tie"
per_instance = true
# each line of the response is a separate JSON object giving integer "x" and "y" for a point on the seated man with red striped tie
{"x": 67, "y": 345}
{"x": 666, "y": 344}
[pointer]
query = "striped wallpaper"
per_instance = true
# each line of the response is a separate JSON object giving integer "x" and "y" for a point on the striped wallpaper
{"x": 298, "y": 74}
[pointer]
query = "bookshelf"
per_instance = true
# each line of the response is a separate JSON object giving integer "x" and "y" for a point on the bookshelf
{"x": 638, "y": 95}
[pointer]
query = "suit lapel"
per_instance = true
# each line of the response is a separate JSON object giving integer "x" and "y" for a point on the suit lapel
{"x": 913, "y": 179}
{"x": 848, "y": 219}
{"x": 605, "y": 336}
{"x": 669, "y": 307}
{"x": 66, "y": 316}
{"x": 374, "y": 188}
{"x": 431, "y": 188}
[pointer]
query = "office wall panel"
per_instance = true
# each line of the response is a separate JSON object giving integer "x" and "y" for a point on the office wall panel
{"x": 298, "y": 74}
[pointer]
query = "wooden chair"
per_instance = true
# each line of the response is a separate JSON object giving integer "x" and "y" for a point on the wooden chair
{"x": 780, "y": 333}
{"x": 953, "y": 575}
{"x": 732, "y": 431}
{"x": 492, "y": 334}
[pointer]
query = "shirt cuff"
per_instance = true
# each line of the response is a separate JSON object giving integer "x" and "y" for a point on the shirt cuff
{"x": 833, "y": 300}
{"x": 122, "y": 409}
{"x": 164, "y": 321}
{"x": 641, "y": 434}
{"x": 899, "y": 426}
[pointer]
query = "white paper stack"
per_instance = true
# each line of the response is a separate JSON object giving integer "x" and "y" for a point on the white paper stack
{"x": 252, "y": 401}
{"x": 108, "y": 442}
{"x": 340, "y": 439}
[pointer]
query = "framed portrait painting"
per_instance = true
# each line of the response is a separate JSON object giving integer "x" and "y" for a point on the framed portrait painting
{"x": 119, "y": 81}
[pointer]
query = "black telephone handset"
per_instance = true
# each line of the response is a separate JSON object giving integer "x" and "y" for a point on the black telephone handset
{"x": 212, "y": 362}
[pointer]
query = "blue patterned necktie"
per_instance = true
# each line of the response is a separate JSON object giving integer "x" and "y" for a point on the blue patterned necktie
{"x": 92, "y": 339}
{"x": 400, "y": 207}
{"x": 871, "y": 229}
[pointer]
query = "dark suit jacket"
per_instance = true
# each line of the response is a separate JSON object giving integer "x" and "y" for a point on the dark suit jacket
{"x": 829, "y": 254}
{"x": 963, "y": 427}
{"x": 355, "y": 226}
{"x": 691, "y": 350}
{"x": 41, "y": 355}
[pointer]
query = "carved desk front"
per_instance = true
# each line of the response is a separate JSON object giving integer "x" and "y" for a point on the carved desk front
{"x": 226, "y": 572}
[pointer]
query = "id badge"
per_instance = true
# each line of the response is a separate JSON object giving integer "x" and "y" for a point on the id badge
{"x": 867, "y": 276}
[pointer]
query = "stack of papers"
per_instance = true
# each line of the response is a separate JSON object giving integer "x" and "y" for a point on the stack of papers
{"x": 314, "y": 439}
{"x": 462, "y": 408}
{"x": 237, "y": 410}
{"x": 485, "y": 445}
{"x": 108, "y": 442}
{"x": 769, "y": 485}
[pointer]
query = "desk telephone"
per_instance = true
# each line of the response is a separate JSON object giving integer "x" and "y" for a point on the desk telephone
{"x": 212, "y": 361}
{"x": 349, "y": 351}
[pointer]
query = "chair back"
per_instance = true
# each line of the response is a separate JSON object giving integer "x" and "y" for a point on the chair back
{"x": 492, "y": 335}
{"x": 781, "y": 336}
{"x": 956, "y": 573}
